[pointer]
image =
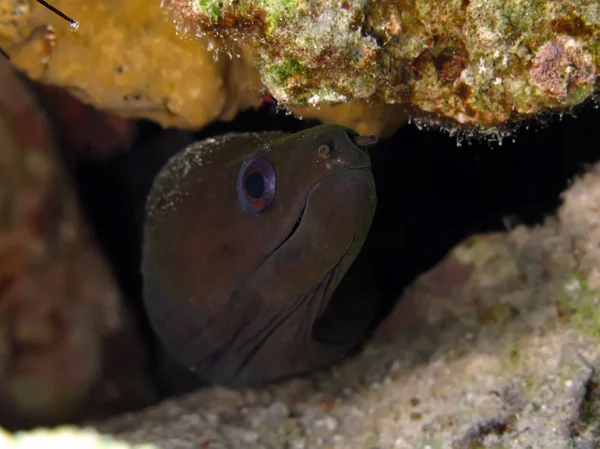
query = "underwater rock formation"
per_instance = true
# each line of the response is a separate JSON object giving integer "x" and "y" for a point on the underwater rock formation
{"x": 477, "y": 63}
{"x": 469, "y": 64}
{"x": 125, "y": 58}
{"x": 60, "y": 308}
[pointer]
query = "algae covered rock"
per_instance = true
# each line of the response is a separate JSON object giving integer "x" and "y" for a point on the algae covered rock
{"x": 471, "y": 64}
{"x": 475, "y": 62}
{"x": 125, "y": 58}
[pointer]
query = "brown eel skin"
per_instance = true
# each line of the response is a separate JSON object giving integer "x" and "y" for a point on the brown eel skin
{"x": 246, "y": 238}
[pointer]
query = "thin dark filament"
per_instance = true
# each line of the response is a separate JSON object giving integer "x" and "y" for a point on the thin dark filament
{"x": 58, "y": 12}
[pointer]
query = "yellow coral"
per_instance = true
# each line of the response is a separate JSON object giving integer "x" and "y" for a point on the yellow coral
{"x": 126, "y": 58}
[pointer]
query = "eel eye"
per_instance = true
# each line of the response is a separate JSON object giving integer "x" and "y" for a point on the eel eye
{"x": 256, "y": 185}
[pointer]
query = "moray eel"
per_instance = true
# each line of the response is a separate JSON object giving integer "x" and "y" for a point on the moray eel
{"x": 246, "y": 237}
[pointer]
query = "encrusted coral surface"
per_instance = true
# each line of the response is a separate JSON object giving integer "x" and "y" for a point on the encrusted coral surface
{"x": 126, "y": 58}
{"x": 474, "y": 62}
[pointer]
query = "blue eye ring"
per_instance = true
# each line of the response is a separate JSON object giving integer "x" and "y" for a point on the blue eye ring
{"x": 256, "y": 185}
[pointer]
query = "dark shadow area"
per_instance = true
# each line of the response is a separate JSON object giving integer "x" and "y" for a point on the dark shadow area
{"x": 431, "y": 195}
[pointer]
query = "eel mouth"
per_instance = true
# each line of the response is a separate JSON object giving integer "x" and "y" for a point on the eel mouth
{"x": 359, "y": 141}
{"x": 299, "y": 220}
{"x": 308, "y": 195}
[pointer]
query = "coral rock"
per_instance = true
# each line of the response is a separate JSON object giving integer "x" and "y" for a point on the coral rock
{"x": 125, "y": 58}
{"x": 59, "y": 305}
{"x": 478, "y": 63}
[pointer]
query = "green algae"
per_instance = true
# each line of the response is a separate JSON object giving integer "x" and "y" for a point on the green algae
{"x": 582, "y": 304}
{"x": 211, "y": 8}
{"x": 481, "y": 63}
{"x": 275, "y": 10}
{"x": 279, "y": 73}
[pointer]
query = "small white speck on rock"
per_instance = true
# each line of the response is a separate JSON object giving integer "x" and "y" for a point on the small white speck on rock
{"x": 277, "y": 413}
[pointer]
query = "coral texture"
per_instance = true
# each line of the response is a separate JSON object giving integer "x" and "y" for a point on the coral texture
{"x": 125, "y": 58}
{"x": 478, "y": 63}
